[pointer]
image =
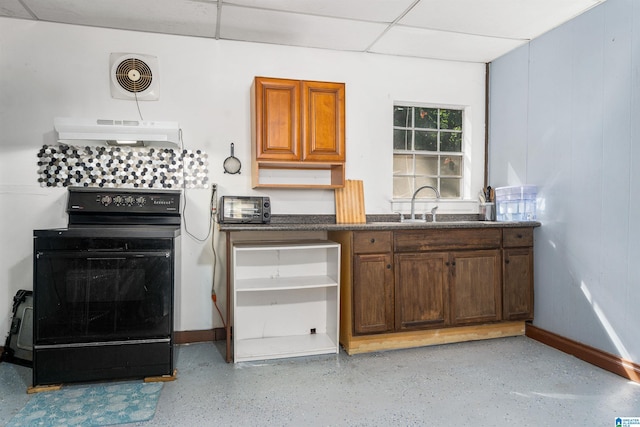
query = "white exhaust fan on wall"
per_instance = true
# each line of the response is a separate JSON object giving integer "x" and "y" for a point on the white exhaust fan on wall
{"x": 134, "y": 77}
{"x": 116, "y": 132}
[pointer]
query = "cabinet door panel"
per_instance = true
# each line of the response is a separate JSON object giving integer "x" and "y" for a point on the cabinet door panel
{"x": 475, "y": 290}
{"x": 421, "y": 290}
{"x": 277, "y": 119}
{"x": 518, "y": 284}
{"x": 323, "y": 119}
{"x": 372, "y": 294}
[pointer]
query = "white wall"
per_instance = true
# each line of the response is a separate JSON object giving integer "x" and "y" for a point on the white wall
{"x": 50, "y": 70}
{"x": 564, "y": 115}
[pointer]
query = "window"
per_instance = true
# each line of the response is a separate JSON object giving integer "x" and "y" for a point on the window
{"x": 427, "y": 150}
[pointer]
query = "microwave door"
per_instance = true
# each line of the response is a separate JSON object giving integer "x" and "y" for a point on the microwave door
{"x": 240, "y": 210}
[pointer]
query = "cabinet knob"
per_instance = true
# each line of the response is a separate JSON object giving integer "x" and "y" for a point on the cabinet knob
{"x": 373, "y": 240}
{"x": 519, "y": 236}
{"x": 446, "y": 263}
{"x": 453, "y": 263}
{"x": 506, "y": 261}
{"x": 388, "y": 266}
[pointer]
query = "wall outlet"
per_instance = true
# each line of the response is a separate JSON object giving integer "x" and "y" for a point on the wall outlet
{"x": 214, "y": 197}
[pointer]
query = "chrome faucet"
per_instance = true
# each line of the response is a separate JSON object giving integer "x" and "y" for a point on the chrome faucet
{"x": 413, "y": 202}
{"x": 433, "y": 213}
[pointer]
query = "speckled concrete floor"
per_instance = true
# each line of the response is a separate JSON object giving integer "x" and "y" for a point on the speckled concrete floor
{"x": 503, "y": 382}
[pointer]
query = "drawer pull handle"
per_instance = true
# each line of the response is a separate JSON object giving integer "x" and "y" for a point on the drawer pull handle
{"x": 373, "y": 240}
{"x": 520, "y": 236}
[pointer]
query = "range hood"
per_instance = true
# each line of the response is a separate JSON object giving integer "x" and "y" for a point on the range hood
{"x": 116, "y": 132}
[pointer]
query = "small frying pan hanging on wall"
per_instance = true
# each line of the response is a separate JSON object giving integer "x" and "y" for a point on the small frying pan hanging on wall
{"x": 232, "y": 164}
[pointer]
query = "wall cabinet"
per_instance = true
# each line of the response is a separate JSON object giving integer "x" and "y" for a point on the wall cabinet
{"x": 298, "y": 125}
{"x": 443, "y": 281}
{"x": 277, "y": 120}
{"x": 285, "y": 299}
{"x": 518, "y": 273}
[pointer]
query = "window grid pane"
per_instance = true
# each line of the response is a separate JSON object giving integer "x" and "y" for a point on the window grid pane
{"x": 427, "y": 151}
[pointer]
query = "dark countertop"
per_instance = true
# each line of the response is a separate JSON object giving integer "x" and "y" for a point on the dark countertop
{"x": 374, "y": 222}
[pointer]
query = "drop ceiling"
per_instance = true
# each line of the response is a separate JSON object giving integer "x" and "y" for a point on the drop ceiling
{"x": 458, "y": 30}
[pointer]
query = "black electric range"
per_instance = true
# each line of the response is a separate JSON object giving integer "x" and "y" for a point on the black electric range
{"x": 104, "y": 287}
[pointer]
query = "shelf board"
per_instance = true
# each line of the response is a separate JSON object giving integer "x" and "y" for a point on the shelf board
{"x": 283, "y": 245}
{"x": 281, "y": 347}
{"x": 284, "y": 283}
{"x": 279, "y": 164}
{"x": 301, "y": 186}
{"x": 309, "y": 175}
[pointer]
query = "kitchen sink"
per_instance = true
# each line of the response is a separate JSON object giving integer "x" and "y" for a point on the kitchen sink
{"x": 443, "y": 219}
{"x": 427, "y": 224}
{"x": 384, "y": 222}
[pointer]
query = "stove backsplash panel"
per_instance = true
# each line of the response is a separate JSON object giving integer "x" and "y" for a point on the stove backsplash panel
{"x": 133, "y": 167}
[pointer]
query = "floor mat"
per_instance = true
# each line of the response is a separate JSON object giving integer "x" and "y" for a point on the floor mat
{"x": 91, "y": 405}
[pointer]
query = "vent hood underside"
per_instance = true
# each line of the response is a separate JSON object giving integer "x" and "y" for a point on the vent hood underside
{"x": 125, "y": 132}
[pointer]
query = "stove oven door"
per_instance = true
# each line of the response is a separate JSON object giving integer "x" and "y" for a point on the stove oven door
{"x": 102, "y": 314}
{"x": 87, "y": 296}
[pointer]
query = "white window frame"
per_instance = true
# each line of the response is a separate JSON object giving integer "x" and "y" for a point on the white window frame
{"x": 468, "y": 202}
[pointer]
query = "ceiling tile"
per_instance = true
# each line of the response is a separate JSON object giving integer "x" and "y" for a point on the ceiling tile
{"x": 258, "y": 25}
{"x": 421, "y": 43}
{"x": 464, "y": 30}
{"x": 362, "y": 10}
{"x": 185, "y": 17}
{"x": 518, "y": 19}
{"x": 13, "y": 9}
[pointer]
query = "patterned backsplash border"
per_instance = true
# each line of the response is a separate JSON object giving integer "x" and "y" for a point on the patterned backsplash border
{"x": 132, "y": 167}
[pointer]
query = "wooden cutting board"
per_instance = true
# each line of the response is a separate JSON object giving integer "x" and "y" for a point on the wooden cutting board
{"x": 350, "y": 203}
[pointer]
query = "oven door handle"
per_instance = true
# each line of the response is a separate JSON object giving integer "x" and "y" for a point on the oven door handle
{"x": 102, "y": 256}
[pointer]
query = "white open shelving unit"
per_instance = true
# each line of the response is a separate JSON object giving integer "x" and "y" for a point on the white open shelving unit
{"x": 285, "y": 298}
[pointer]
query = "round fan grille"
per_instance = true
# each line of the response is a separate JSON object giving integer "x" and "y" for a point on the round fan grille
{"x": 134, "y": 75}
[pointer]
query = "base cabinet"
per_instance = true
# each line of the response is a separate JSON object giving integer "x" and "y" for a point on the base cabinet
{"x": 475, "y": 287}
{"x": 421, "y": 290}
{"x": 285, "y": 299}
{"x": 518, "y": 274}
{"x": 437, "y": 289}
{"x": 372, "y": 293}
{"x": 371, "y": 298}
{"x": 406, "y": 288}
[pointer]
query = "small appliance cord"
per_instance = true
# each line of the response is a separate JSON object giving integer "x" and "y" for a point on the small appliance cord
{"x": 184, "y": 205}
{"x": 210, "y": 231}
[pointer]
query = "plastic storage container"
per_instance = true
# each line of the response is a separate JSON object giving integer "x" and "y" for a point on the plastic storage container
{"x": 516, "y": 203}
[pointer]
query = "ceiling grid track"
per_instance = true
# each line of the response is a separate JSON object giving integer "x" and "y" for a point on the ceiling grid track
{"x": 391, "y": 25}
{"x": 218, "y": 19}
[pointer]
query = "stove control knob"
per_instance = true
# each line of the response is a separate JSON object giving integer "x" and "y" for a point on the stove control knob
{"x": 129, "y": 200}
{"x": 118, "y": 200}
{"x": 141, "y": 200}
{"x": 106, "y": 200}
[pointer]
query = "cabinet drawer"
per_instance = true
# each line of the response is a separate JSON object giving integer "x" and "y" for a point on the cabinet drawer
{"x": 447, "y": 239}
{"x": 371, "y": 242}
{"x": 517, "y": 237}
